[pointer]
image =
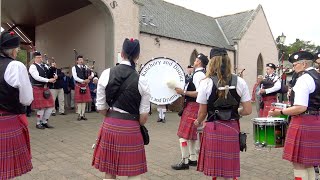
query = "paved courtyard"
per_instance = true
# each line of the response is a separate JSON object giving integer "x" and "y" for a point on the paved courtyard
{"x": 65, "y": 152}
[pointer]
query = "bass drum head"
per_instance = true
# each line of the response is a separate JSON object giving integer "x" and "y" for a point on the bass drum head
{"x": 161, "y": 74}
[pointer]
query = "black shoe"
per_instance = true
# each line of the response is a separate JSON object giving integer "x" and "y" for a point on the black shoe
{"x": 180, "y": 166}
{"x": 164, "y": 120}
{"x": 79, "y": 118}
{"x": 160, "y": 120}
{"x": 192, "y": 163}
{"x": 62, "y": 113}
{"x": 39, "y": 126}
{"x": 53, "y": 114}
{"x": 46, "y": 125}
{"x": 84, "y": 118}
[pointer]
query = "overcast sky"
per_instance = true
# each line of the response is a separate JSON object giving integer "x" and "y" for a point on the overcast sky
{"x": 295, "y": 18}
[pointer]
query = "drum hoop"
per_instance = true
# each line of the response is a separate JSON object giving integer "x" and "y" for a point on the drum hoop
{"x": 162, "y": 58}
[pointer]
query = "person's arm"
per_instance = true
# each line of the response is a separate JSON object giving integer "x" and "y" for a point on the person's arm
{"x": 101, "y": 103}
{"x": 16, "y": 75}
{"x": 243, "y": 91}
{"x": 276, "y": 87}
{"x": 75, "y": 76}
{"x": 35, "y": 74}
{"x": 144, "y": 91}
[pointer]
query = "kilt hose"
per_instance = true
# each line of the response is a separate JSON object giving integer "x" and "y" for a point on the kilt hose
{"x": 220, "y": 150}
{"x": 39, "y": 102}
{"x": 81, "y": 98}
{"x": 302, "y": 144}
{"x": 187, "y": 129}
{"x": 15, "y": 153}
{"x": 120, "y": 148}
{"x": 267, "y": 100}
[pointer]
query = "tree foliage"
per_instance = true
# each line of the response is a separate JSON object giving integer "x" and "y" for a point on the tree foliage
{"x": 22, "y": 56}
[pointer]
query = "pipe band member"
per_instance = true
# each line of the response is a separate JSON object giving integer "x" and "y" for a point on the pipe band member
{"x": 302, "y": 145}
{"x": 220, "y": 94}
{"x": 120, "y": 146}
{"x": 187, "y": 131}
{"x": 43, "y": 101}
{"x": 15, "y": 94}
{"x": 270, "y": 85}
{"x": 82, "y": 92}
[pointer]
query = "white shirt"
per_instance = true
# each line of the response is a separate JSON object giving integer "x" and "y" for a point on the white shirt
{"x": 197, "y": 77}
{"x": 35, "y": 73}
{"x": 205, "y": 89}
{"x": 75, "y": 76}
{"x": 276, "y": 87}
{"x": 16, "y": 75}
{"x": 143, "y": 87}
{"x": 304, "y": 86}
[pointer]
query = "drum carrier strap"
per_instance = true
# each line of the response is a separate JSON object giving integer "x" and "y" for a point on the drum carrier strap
{"x": 223, "y": 107}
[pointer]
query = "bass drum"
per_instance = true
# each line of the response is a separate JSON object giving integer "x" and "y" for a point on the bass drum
{"x": 163, "y": 75}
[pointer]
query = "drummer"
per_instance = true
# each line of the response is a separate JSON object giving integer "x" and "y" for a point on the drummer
{"x": 187, "y": 131}
{"x": 269, "y": 87}
{"x": 302, "y": 145}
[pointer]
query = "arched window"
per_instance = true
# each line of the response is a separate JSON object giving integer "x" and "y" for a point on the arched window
{"x": 193, "y": 56}
{"x": 260, "y": 65}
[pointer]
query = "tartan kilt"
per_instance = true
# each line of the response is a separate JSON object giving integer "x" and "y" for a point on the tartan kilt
{"x": 15, "y": 154}
{"x": 302, "y": 144}
{"x": 187, "y": 129}
{"x": 220, "y": 150}
{"x": 39, "y": 102}
{"x": 81, "y": 98}
{"x": 120, "y": 148}
{"x": 267, "y": 100}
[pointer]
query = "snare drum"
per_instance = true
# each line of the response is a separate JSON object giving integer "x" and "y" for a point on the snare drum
{"x": 281, "y": 106}
{"x": 269, "y": 132}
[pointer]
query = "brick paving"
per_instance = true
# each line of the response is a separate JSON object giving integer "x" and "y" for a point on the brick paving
{"x": 65, "y": 152}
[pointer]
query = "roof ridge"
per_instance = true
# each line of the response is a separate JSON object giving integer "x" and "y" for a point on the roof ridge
{"x": 235, "y": 13}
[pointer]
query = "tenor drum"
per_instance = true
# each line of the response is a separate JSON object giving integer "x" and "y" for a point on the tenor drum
{"x": 163, "y": 74}
{"x": 269, "y": 132}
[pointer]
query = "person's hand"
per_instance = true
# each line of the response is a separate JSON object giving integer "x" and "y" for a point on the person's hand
{"x": 103, "y": 112}
{"x": 196, "y": 123}
{"x": 274, "y": 112}
{"x": 86, "y": 81}
{"x": 179, "y": 90}
{"x": 55, "y": 76}
{"x": 90, "y": 77}
{"x": 95, "y": 91}
{"x": 262, "y": 91}
{"x": 52, "y": 80}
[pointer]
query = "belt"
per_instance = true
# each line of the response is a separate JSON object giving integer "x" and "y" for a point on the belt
{"x": 6, "y": 114}
{"x": 311, "y": 112}
{"x": 125, "y": 116}
{"x": 38, "y": 85}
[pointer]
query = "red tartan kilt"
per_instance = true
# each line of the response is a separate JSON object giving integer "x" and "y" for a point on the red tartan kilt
{"x": 81, "y": 98}
{"x": 120, "y": 148}
{"x": 187, "y": 129}
{"x": 302, "y": 143}
{"x": 39, "y": 102}
{"x": 15, "y": 154}
{"x": 268, "y": 100}
{"x": 220, "y": 150}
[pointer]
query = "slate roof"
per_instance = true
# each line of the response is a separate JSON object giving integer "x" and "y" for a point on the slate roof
{"x": 173, "y": 21}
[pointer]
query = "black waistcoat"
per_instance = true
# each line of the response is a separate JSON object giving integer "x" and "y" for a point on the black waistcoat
{"x": 192, "y": 87}
{"x": 9, "y": 96}
{"x": 129, "y": 98}
{"x": 211, "y": 108}
{"x": 81, "y": 72}
{"x": 314, "y": 98}
{"x": 43, "y": 72}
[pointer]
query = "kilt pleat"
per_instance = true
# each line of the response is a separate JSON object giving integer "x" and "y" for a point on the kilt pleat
{"x": 268, "y": 100}
{"x": 82, "y": 98}
{"x": 15, "y": 154}
{"x": 302, "y": 144}
{"x": 220, "y": 150}
{"x": 39, "y": 102}
{"x": 120, "y": 148}
{"x": 187, "y": 129}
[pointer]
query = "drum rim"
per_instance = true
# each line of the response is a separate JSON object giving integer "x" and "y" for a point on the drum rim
{"x": 162, "y": 58}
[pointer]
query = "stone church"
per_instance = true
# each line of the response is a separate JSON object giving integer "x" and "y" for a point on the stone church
{"x": 97, "y": 28}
